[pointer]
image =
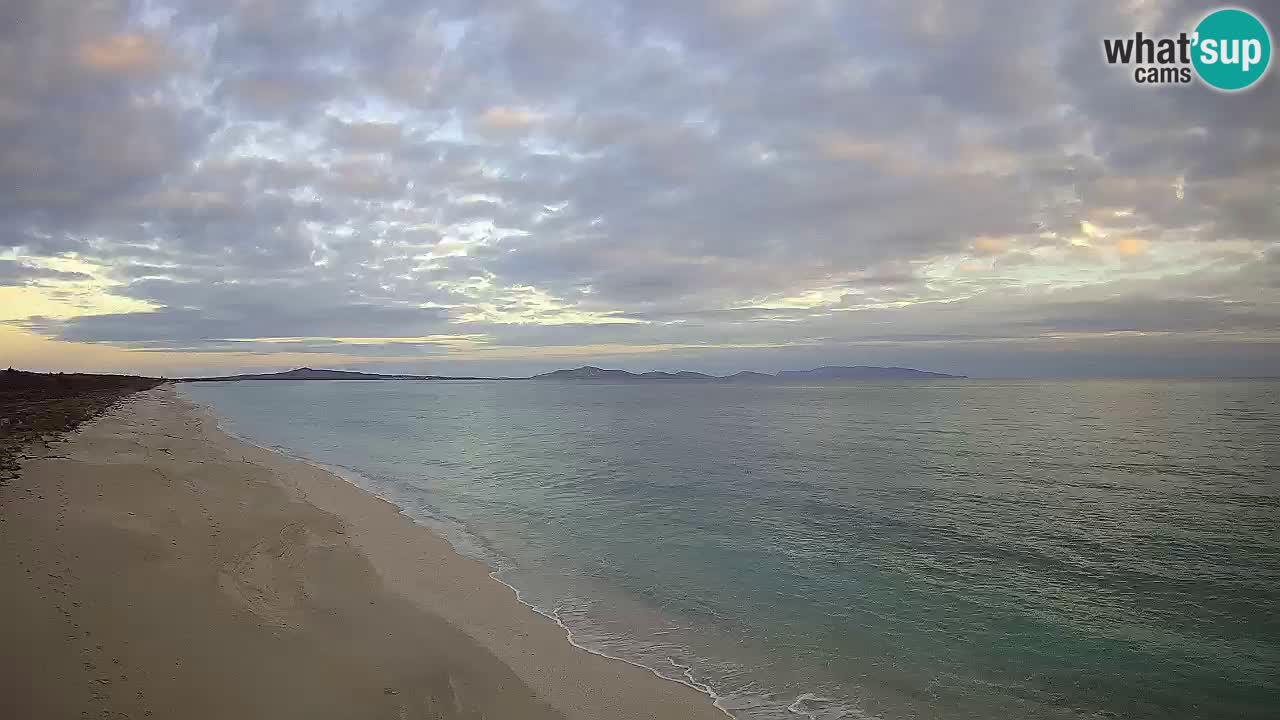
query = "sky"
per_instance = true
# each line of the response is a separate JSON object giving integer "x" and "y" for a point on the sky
{"x": 513, "y": 186}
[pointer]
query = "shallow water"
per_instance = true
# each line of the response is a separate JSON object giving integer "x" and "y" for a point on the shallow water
{"x": 942, "y": 549}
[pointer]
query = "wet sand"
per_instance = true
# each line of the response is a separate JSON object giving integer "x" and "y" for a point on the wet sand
{"x": 152, "y": 566}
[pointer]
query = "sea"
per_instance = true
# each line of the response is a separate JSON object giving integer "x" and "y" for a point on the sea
{"x": 929, "y": 549}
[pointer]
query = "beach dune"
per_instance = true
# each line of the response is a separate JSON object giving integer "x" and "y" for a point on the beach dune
{"x": 152, "y": 566}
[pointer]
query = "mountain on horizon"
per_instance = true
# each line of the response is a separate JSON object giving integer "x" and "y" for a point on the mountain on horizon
{"x": 829, "y": 372}
{"x": 306, "y": 373}
{"x": 861, "y": 372}
{"x": 592, "y": 373}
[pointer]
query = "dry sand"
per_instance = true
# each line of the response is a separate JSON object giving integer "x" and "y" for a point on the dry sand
{"x": 152, "y": 566}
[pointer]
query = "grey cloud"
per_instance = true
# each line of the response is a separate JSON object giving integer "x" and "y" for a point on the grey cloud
{"x": 187, "y": 328}
{"x": 277, "y": 169}
{"x": 373, "y": 136}
{"x": 276, "y": 92}
{"x": 1162, "y": 315}
{"x": 13, "y": 272}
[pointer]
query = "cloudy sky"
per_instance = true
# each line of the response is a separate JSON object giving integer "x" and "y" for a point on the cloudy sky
{"x": 509, "y": 186}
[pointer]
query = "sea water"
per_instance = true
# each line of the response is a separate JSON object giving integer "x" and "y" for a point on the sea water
{"x": 943, "y": 549}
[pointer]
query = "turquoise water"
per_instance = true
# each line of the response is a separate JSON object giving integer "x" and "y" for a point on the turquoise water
{"x": 932, "y": 550}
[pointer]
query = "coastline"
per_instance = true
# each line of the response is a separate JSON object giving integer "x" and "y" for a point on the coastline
{"x": 353, "y": 478}
{"x": 161, "y": 567}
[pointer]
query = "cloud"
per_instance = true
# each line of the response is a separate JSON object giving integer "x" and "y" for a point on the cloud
{"x": 717, "y": 179}
{"x": 13, "y": 272}
{"x": 122, "y": 54}
{"x": 508, "y": 118}
{"x": 368, "y": 135}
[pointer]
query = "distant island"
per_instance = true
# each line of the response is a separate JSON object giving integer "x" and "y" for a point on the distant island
{"x": 589, "y": 373}
{"x": 829, "y": 372}
{"x": 306, "y": 373}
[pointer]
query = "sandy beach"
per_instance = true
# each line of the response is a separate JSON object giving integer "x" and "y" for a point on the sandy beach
{"x": 153, "y": 566}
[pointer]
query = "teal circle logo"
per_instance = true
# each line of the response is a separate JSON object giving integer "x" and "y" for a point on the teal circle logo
{"x": 1232, "y": 49}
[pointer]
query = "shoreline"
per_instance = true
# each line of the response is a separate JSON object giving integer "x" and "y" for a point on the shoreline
{"x": 342, "y": 473}
{"x": 160, "y": 566}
